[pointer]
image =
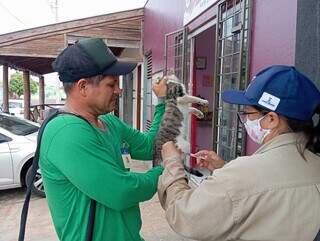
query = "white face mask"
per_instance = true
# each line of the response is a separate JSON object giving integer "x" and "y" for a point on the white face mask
{"x": 255, "y": 131}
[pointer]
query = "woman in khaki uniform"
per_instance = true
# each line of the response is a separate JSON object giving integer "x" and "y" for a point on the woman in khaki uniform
{"x": 273, "y": 194}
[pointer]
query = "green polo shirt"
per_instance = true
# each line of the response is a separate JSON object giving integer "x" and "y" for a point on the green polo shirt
{"x": 79, "y": 161}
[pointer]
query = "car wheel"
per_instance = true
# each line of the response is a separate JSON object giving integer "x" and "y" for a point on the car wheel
{"x": 37, "y": 185}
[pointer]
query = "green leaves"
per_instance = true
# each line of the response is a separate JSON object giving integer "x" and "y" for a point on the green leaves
{"x": 16, "y": 84}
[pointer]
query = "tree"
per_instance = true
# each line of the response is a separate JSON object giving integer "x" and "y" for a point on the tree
{"x": 16, "y": 84}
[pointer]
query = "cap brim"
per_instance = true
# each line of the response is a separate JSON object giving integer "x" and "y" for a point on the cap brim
{"x": 235, "y": 97}
{"x": 119, "y": 68}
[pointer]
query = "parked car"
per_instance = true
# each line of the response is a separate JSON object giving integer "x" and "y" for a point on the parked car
{"x": 18, "y": 141}
{"x": 16, "y": 107}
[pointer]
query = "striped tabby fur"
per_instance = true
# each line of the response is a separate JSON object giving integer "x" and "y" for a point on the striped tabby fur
{"x": 178, "y": 107}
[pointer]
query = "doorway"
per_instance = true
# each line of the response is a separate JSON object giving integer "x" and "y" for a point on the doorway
{"x": 202, "y": 83}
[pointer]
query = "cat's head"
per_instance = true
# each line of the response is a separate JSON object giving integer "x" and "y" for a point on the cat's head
{"x": 175, "y": 89}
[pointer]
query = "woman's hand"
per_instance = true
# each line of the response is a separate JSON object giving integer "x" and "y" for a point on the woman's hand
{"x": 160, "y": 88}
{"x": 169, "y": 150}
{"x": 208, "y": 159}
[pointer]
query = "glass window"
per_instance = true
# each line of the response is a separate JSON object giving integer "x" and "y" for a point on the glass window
{"x": 15, "y": 105}
{"x": 235, "y": 63}
{"x": 236, "y": 42}
{"x": 227, "y": 27}
{"x": 4, "y": 138}
{"x": 227, "y": 46}
{"x": 227, "y": 64}
{"x": 17, "y": 126}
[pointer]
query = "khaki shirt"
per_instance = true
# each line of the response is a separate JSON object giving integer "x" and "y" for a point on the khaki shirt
{"x": 272, "y": 195}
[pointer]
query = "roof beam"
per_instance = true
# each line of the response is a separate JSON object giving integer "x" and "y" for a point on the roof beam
{"x": 119, "y": 43}
{"x": 20, "y": 68}
{"x": 75, "y": 24}
{"x": 50, "y": 34}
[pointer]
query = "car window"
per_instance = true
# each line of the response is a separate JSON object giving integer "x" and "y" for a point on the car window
{"x": 17, "y": 126}
{"x": 15, "y": 105}
{"x": 4, "y": 138}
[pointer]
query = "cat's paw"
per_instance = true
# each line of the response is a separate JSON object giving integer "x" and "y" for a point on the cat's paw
{"x": 203, "y": 102}
{"x": 198, "y": 114}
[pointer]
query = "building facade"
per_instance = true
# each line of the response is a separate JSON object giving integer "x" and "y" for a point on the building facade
{"x": 214, "y": 45}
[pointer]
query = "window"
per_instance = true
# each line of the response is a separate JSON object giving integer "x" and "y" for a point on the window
{"x": 4, "y": 138}
{"x": 175, "y": 54}
{"x": 15, "y": 105}
{"x": 231, "y": 73}
{"x": 17, "y": 126}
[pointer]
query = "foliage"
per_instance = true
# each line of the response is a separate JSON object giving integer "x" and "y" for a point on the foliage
{"x": 16, "y": 84}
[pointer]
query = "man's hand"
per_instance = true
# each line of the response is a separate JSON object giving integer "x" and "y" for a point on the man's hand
{"x": 160, "y": 88}
{"x": 209, "y": 159}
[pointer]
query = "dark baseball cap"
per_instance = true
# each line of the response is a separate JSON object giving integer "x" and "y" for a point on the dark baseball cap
{"x": 86, "y": 58}
{"x": 281, "y": 89}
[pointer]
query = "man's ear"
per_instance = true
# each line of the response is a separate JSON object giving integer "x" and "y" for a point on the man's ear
{"x": 82, "y": 86}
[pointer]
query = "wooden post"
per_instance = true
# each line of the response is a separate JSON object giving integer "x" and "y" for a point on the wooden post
{"x": 26, "y": 94}
{"x": 5, "y": 106}
{"x": 41, "y": 92}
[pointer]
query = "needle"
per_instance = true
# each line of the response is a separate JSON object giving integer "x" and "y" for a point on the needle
{"x": 195, "y": 156}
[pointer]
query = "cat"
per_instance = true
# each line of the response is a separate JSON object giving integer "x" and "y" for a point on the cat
{"x": 178, "y": 107}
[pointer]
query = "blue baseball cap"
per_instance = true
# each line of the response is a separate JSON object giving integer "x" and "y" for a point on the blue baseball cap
{"x": 281, "y": 89}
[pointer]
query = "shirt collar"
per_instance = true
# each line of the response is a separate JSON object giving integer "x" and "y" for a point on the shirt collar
{"x": 282, "y": 140}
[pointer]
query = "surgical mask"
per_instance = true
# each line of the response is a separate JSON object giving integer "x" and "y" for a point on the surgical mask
{"x": 255, "y": 131}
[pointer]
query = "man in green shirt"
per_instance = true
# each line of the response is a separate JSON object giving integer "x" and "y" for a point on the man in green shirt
{"x": 81, "y": 160}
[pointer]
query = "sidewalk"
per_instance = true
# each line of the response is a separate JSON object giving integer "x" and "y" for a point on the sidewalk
{"x": 154, "y": 224}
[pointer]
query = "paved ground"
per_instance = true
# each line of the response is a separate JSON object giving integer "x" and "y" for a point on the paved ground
{"x": 40, "y": 228}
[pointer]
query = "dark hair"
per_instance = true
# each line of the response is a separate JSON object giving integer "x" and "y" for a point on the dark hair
{"x": 311, "y": 131}
{"x": 95, "y": 80}
{"x": 67, "y": 86}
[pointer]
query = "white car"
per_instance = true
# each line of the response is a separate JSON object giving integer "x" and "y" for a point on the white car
{"x": 16, "y": 107}
{"x": 18, "y": 142}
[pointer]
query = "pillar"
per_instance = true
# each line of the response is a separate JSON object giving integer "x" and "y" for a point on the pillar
{"x": 26, "y": 94}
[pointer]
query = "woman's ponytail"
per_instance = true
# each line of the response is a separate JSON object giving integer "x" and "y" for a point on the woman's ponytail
{"x": 311, "y": 129}
{"x": 313, "y": 143}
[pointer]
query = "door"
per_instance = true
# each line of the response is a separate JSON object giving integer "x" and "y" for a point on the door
{"x": 6, "y": 172}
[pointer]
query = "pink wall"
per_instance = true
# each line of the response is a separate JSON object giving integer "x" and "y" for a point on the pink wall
{"x": 205, "y": 47}
{"x": 204, "y": 17}
{"x": 273, "y": 37}
{"x": 161, "y": 17}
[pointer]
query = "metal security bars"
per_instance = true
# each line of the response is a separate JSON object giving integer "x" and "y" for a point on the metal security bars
{"x": 147, "y": 92}
{"x": 177, "y": 55}
{"x": 178, "y": 62}
{"x": 232, "y": 51}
